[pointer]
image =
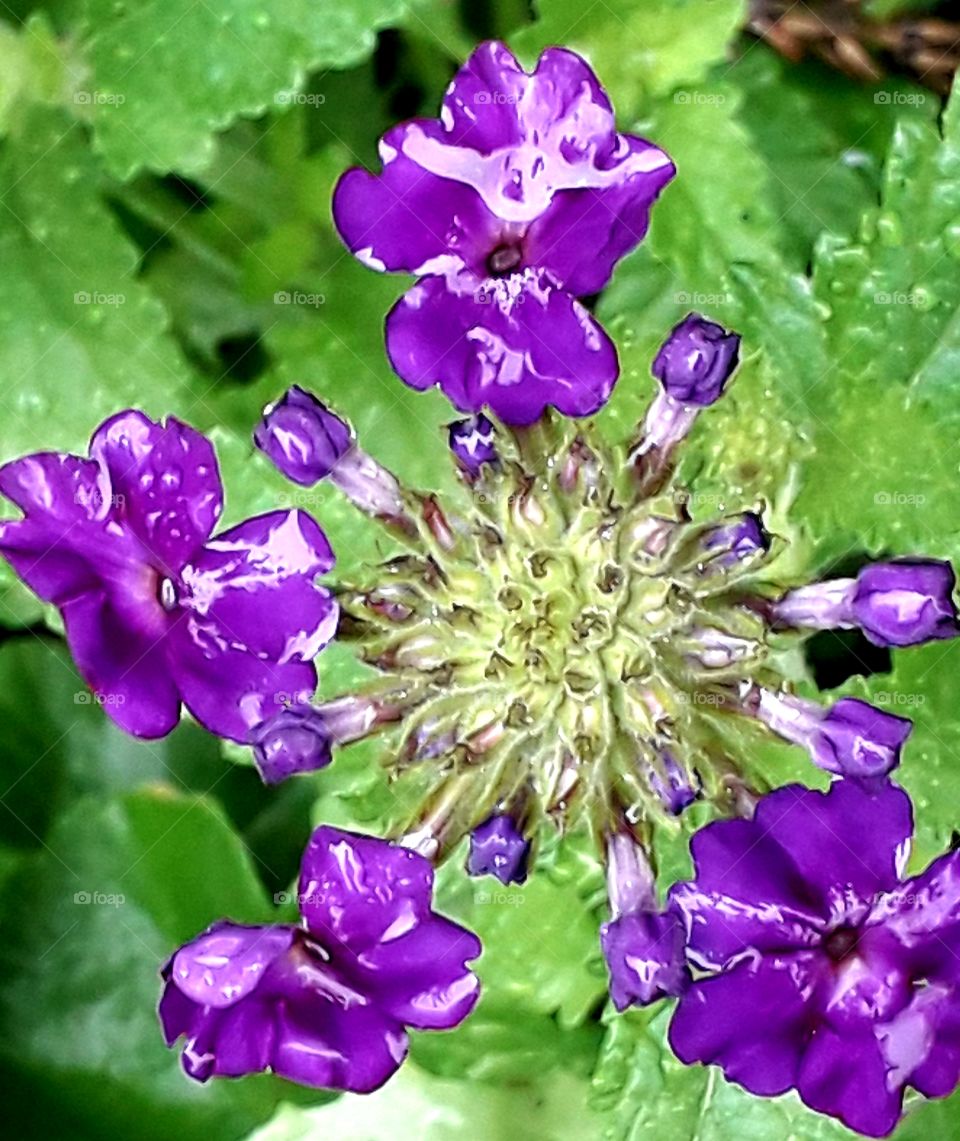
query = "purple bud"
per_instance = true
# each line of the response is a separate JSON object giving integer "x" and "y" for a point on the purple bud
{"x": 302, "y": 437}
{"x": 852, "y": 738}
{"x": 734, "y": 541}
{"x": 472, "y": 443}
{"x": 645, "y": 957}
{"x": 643, "y": 947}
{"x": 905, "y": 602}
{"x": 296, "y": 740}
{"x": 497, "y": 848}
{"x": 671, "y": 785}
{"x": 696, "y": 360}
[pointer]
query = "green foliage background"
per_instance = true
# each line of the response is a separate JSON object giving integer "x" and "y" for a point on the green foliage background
{"x": 165, "y": 241}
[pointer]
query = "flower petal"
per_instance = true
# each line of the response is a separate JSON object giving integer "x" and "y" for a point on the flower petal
{"x": 231, "y": 692}
{"x": 585, "y": 231}
{"x": 165, "y": 480}
{"x": 226, "y": 963}
{"x": 252, "y": 589}
{"x": 751, "y": 1021}
{"x": 346, "y": 1046}
{"x": 514, "y": 344}
{"x": 851, "y": 839}
{"x": 492, "y": 102}
{"x": 67, "y": 542}
{"x": 845, "y": 1075}
{"x": 117, "y": 645}
{"x": 421, "y": 977}
{"x": 407, "y": 217}
{"x": 360, "y": 890}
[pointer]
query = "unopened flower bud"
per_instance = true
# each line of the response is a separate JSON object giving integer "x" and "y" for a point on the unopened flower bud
{"x": 498, "y": 848}
{"x": 304, "y": 438}
{"x": 696, "y": 361}
{"x": 472, "y": 444}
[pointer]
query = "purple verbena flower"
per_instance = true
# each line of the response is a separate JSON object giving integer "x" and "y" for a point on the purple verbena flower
{"x": 826, "y": 973}
{"x": 302, "y": 437}
{"x": 696, "y": 361}
{"x": 851, "y": 738}
{"x": 498, "y": 848}
{"x": 327, "y": 1003}
{"x": 642, "y": 945}
{"x": 903, "y": 602}
{"x": 156, "y": 611}
{"x": 472, "y": 442}
{"x": 521, "y": 198}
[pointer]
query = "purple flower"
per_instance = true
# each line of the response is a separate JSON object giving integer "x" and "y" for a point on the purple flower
{"x": 696, "y": 361}
{"x": 643, "y": 946}
{"x": 295, "y": 740}
{"x": 644, "y": 952}
{"x": 899, "y": 603}
{"x": 852, "y": 738}
{"x": 472, "y": 443}
{"x": 905, "y": 602}
{"x": 156, "y": 611}
{"x": 497, "y": 848}
{"x": 519, "y": 199}
{"x": 327, "y": 1003}
{"x": 302, "y": 437}
{"x": 825, "y": 973}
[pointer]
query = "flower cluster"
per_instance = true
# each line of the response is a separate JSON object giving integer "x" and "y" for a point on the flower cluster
{"x": 555, "y": 651}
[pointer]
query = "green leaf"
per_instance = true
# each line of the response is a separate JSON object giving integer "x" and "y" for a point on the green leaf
{"x": 922, "y": 686}
{"x": 416, "y": 1104}
{"x": 643, "y": 1092}
{"x": 541, "y": 941}
{"x": 120, "y": 884}
{"x": 639, "y": 48}
{"x": 80, "y": 337}
{"x": 229, "y": 57}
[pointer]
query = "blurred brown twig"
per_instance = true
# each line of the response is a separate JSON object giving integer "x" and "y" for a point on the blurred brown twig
{"x": 842, "y": 35}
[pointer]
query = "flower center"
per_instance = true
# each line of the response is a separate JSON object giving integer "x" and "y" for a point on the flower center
{"x": 504, "y": 259}
{"x": 841, "y": 943}
{"x": 562, "y": 645}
